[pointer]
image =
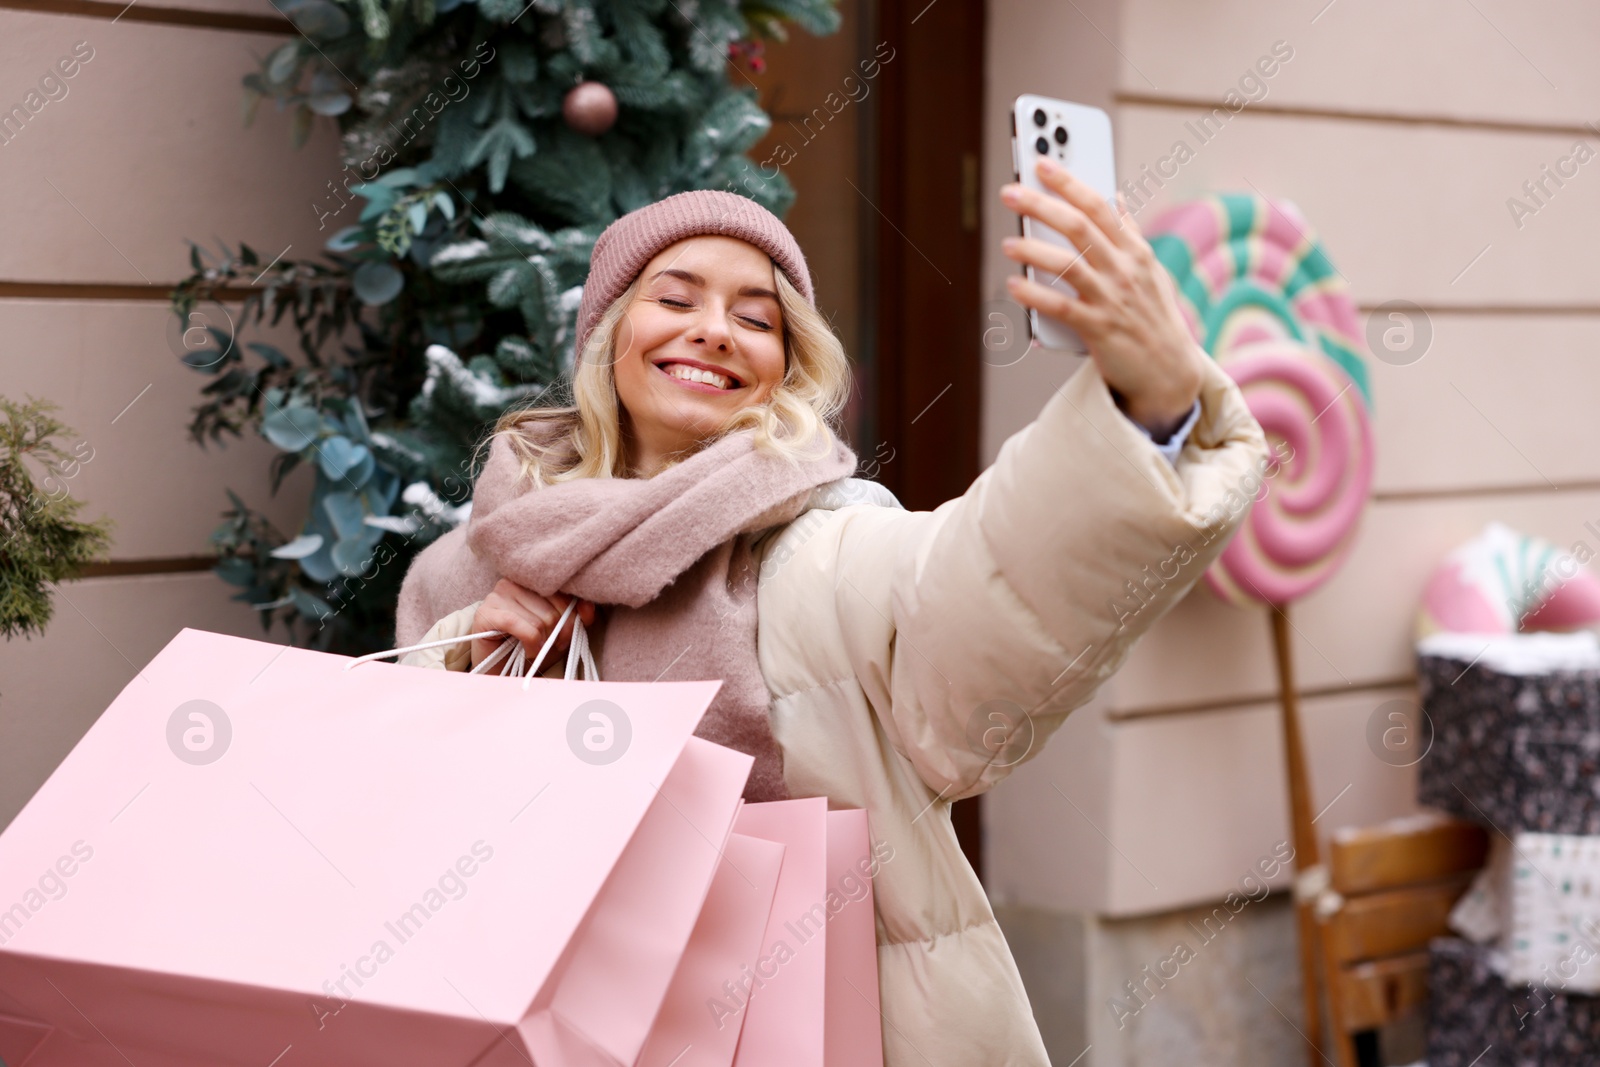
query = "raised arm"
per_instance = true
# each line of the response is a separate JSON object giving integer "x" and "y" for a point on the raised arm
{"x": 1030, "y": 589}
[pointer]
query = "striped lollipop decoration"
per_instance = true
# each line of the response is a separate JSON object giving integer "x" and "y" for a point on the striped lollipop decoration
{"x": 1264, "y": 300}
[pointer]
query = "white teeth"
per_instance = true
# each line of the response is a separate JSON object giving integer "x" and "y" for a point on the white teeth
{"x": 695, "y": 374}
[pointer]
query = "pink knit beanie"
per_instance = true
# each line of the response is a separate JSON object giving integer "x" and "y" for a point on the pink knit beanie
{"x": 630, "y": 242}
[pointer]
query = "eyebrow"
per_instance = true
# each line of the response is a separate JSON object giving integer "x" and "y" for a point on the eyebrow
{"x": 695, "y": 279}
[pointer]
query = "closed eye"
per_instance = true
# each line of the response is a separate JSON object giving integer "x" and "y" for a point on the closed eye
{"x": 680, "y": 304}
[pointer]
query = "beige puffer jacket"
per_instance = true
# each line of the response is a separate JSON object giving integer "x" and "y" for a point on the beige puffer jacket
{"x": 889, "y": 637}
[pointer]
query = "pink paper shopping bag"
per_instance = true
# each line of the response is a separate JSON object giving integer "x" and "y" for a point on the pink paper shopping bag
{"x": 782, "y": 996}
{"x": 256, "y": 856}
{"x": 728, "y": 998}
{"x": 697, "y": 1026}
{"x": 853, "y": 1032}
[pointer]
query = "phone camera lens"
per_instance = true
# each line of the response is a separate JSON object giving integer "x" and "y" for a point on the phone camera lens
{"x": 1061, "y": 135}
{"x": 1039, "y": 117}
{"x": 1042, "y": 146}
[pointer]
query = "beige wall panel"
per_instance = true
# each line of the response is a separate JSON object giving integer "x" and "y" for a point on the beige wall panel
{"x": 146, "y": 150}
{"x": 1494, "y": 60}
{"x": 1200, "y": 799}
{"x": 104, "y": 631}
{"x": 1192, "y": 803}
{"x": 124, "y": 392}
{"x": 1354, "y": 631}
{"x": 1415, "y": 213}
{"x": 1498, "y": 401}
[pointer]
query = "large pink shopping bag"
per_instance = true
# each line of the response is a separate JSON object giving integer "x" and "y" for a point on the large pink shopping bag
{"x": 255, "y": 854}
{"x": 696, "y": 1026}
{"x": 734, "y": 957}
{"x": 853, "y": 1032}
{"x": 782, "y": 996}
{"x": 619, "y": 966}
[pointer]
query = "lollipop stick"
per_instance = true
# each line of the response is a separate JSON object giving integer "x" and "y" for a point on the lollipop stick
{"x": 1305, "y": 834}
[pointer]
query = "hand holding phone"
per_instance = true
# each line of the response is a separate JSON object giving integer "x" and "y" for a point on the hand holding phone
{"x": 1078, "y": 138}
{"x": 1093, "y": 284}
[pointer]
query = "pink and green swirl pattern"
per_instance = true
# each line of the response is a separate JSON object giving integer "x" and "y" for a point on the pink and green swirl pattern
{"x": 1262, "y": 297}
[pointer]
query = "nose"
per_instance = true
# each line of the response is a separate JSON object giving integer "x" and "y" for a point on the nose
{"x": 712, "y": 330}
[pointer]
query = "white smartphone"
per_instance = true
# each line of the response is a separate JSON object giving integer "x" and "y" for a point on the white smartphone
{"x": 1079, "y": 138}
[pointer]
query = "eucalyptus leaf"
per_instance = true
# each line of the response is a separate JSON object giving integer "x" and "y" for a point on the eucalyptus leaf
{"x": 361, "y": 473}
{"x": 299, "y": 548}
{"x": 206, "y": 359}
{"x": 345, "y": 512}
{"x": 355, "y": 421}
{"x": 310, "y": 605}
{"x": 235, "y": 571}
{"x": 379, "y": 199}
{"x": 292, "y": 428}
{"x": 320, "y": 19}
{"x": 283, "y": 63}
{"x": 326, "y": 81}
{"x": 398, "y": 178}
{"x": 380, "y": 492}
{"x": 334, "y": 103}
{"x": 270, "y": 354}
{"x": 319, "y": 565}
{"x": 337, "y": 455}
{"x": 377, "y": 283}
{"x": 345, "y": 240}
{"x": 354, "y": 554}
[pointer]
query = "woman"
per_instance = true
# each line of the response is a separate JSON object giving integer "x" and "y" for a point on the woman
{"x": 696, "y": 490}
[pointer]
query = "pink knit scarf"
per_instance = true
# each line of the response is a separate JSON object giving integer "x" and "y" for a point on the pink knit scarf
{"x": 670, "y": 556}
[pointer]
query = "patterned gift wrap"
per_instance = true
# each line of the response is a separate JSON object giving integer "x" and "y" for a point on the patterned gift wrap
{"x": 1475, "y": 1021}
{"x": 1513, "y": 750}
{"x": 1555, "y": 912}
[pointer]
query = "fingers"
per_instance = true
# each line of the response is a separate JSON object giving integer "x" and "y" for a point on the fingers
{"x": 1067, "y": 219}
{"x": 1088, "y": 321}
{"x": 1053, "y": 261}
{"x": 1117, "y": 228}
{"x": 520, "y": 612}
{"x": 529, "y": 617}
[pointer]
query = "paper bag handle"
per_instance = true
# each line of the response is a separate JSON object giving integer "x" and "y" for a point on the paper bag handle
{"x": 578, "y": 652}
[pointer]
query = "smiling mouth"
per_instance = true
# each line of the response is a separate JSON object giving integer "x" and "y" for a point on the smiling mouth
{"x": 698, "y": 377}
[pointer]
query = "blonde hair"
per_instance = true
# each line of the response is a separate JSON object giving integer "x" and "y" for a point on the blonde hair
{"x": 584, "y": 439}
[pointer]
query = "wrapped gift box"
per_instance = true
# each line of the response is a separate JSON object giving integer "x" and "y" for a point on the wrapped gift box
{"x": 1516, "y": 730}
{"x": 1476, "y": 1021}
{"x": 1554, "y": 935}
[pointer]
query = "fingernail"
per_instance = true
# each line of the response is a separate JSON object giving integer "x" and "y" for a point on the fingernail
{"x": 1048, "y": 165}
{"x": 1009, "y": 244}
{"x": 1010, "y": 193}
